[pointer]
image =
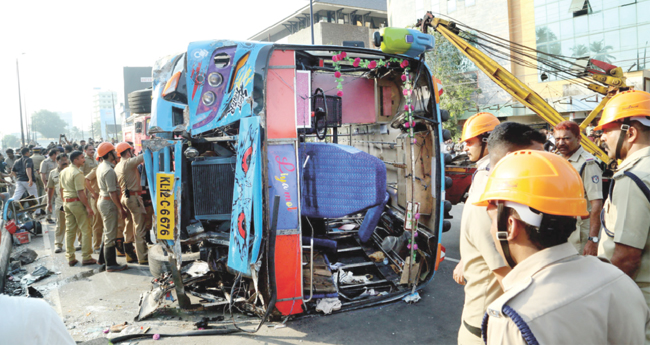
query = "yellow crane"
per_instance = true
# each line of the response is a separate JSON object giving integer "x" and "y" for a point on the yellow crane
{"x": 612, "y": 78}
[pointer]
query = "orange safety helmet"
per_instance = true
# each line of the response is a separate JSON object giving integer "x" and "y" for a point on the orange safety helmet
{"x": 478, "y": 124}
{"x": 537, "y": 179}
{"x": 123, "y": 146}
{"x": 623, "y": 105}
{"x": 104, "y": 148}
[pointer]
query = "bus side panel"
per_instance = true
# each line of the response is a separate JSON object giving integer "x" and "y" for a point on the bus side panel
{"x": 280, "y": 96}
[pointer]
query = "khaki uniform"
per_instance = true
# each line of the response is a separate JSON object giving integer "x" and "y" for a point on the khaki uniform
{"x": 565, "y": 298}
{"x": 38, "y": 158}
{"x": 129, "y": 179}
{"x": 627, "y": 216}
{"x": 97, "y": 226}
{"x": 107, "y": 183}
{"x": 47, "y": 166}
{"x": 57, "y": 208}
{"x": 592, "y": 179}
{"x": 480, "y": 257}
{"x": 76, "y": 216}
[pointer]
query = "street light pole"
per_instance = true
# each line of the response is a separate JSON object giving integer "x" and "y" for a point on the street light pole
{"x": 20, "y": 104}
{"x": 114, "y": 118}
{"x": 311, "y": 18}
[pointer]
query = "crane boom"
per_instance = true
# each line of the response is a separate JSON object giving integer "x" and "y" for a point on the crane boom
{"x": 508, "y": 82}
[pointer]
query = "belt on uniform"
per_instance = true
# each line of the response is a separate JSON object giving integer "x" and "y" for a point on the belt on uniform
{"x": 72, "y": 200}
{"x": 106, "y": 197}
{"x": 130, "y": 193}
{"x": 474, "y": 330}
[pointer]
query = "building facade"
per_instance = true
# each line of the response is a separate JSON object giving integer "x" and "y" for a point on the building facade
{"x": 104, "y": 105}
{"x": 613, "y": 31}
{"x": 335, "y": 22}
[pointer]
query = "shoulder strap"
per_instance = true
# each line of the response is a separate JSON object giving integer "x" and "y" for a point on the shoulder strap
{"x": 526, "y": 333}
{"x": 644, "y": 187}
{"x": 582, "y": 168}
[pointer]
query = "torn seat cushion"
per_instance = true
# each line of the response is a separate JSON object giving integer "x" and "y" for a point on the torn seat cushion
{"x": 339, "y": 180}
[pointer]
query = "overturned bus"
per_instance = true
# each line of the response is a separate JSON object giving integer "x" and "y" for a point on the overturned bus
{"x": 295, "y": 174}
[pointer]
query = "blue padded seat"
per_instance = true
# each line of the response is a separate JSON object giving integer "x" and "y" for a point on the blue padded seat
{"x": 340, "y": 180}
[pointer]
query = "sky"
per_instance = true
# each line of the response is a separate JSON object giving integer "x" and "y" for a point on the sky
{"x": 67, "y": 48}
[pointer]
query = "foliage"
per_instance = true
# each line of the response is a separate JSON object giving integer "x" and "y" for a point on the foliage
{"x": 602, "y": 51}
{"x": 10, "y": 140}
{"x": 74, "y": 133}
{"x": 448, "y": 64}
{"x": 96, "y": 129}
{"x": 544, "y": 34}
{"x": 48, "y": 123}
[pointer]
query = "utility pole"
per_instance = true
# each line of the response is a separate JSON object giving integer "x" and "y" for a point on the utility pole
{"x": 20, "y": 104}
{"x": 311, "y": 18}
{"x": 114, "y": 118}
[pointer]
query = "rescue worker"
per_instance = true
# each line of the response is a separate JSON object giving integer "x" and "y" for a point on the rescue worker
{"x": 626, "y": 217}
{"x": 46, "y": 167}
{"x": 109, "y": 204}
{"x": 477, "y": 248}
{"x": 38, "y": 158}
{"x": 552, "y": 295}
{"x": 129, "y": 178}
{"x": 77, "y": 210}
{"x": 567, "y": 142}
{"x": 96, "y": 224}
{"x": 477, "y": 255}
{"x": 54, "y": 188}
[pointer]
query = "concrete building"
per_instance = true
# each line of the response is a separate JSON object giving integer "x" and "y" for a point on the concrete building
{"x": 103, "y": 111}
{"x": 335, "y": 21}
{"x": 616, "y": 32}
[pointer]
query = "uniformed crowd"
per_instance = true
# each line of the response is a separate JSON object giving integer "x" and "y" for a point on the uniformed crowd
{"x": 543, "y": 258}
{"x": 97, "y": 198}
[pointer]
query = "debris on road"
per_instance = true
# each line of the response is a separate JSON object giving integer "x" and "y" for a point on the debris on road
{"x": 25, "y": 255}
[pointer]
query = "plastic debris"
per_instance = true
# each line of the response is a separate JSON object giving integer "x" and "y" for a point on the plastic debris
{"x": 327, "y": 305}
{"x": 412, "y": 298}
{"x": 156, "y": 336}
{"x": 26, "y": 256}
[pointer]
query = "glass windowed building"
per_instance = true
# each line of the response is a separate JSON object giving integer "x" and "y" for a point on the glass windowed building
{"x": 613, "y": 31}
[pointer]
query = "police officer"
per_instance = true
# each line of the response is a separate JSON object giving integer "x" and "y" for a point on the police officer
{"x": 109, "y": 204}
{"x": 478, "y": 256}
{"x": 477, "y": 247}
{"x": 54, "y": 188}
{"x": 47, "y": 166}
{"x": 567, "y": 142}
{"x": 38, "y": 158}
{"x": 129, "y": 178}
{"x": 77, "y": 210}
{"x": 96, "y": 224}
{"x": 626, "y": 218}
{"x": 552, "y": 295}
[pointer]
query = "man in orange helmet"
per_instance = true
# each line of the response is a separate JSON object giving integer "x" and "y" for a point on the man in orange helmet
{"x": 129, "y": 178}
{"x": 109, "y": 204}
{"x": 626, "y": 217}
{"x": 477, "y": 254}
{"x": 533, "y": 199}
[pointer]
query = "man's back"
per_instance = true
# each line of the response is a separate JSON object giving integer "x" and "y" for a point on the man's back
{"x": 565, "y": 298}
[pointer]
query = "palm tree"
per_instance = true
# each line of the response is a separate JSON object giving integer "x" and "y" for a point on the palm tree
{"x": 580, "y": 50}
{"x": 544, "y": 34}
{"x": 601, "y": 50}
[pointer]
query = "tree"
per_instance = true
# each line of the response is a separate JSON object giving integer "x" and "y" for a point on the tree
{"x": 48, "y": 123}
{"x": 10, "y": 141}
{"x": 74, "y": 133}
{"x": 96, "y": 129}
{"x": 602, "y": 51}
{"x": 579, "y": 50}
{"x": 450, "y": 66}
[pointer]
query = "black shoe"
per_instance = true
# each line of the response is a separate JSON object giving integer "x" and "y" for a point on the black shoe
{"x": 119, "y": 247}
{"x": 51, "y": 221}
{"x": 131, "y": 257}
{"x": 111, "y": 261}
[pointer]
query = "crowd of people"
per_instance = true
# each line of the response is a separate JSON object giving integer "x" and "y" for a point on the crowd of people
{"x": 535, "y": 222}
{"x": 94, "y": 194}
